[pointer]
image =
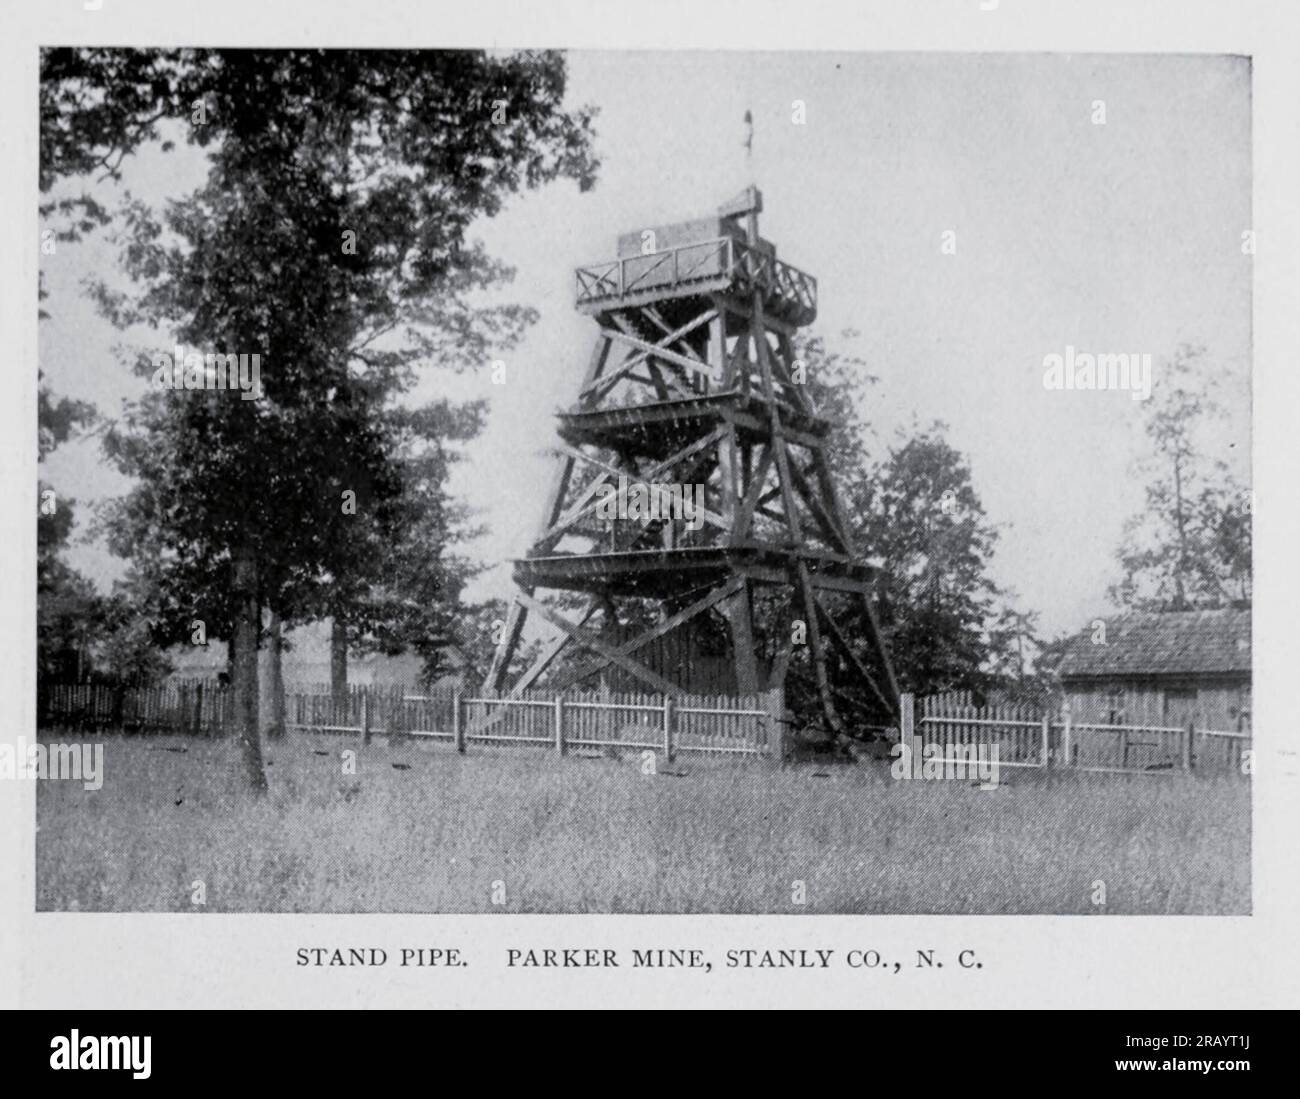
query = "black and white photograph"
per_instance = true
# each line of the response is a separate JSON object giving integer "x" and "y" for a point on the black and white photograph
{"x": 545, "y": 480}
{"x": 950, "y": 524}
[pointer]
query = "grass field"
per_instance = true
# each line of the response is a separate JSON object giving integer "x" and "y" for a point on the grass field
{"x": 419, "y": 828}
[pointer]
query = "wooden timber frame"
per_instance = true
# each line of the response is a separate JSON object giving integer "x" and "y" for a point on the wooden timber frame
{"x": 693, "y": 381}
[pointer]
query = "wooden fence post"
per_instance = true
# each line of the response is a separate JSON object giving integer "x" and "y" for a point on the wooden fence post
{"x": 365, "y": 715}
{"x": 776, "y": 740}
{"x": 1067, "y": 737}
{"x": 1189, "y": 750}
{"x": 1046, "y": 753}
{"x": 198, "y": 708}
{"x": 668, "y": 728}
{"x": 907, "y": 718}
{"x": 457, "y": 725}
{"x": 559, "y": 724}
{"x": 396, "y": 723}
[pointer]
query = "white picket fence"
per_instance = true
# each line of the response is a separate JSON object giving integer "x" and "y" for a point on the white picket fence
{"x": 580, "y": 722}
{"x": 1025, "y": 736}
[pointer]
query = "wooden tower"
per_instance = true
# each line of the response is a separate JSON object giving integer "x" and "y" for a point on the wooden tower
{"x": 693, "y": 381}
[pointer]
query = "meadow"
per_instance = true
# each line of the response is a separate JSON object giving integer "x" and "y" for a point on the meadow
{"x": 419, "y": 828}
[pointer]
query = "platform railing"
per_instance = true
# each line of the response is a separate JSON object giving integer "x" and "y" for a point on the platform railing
{"x": 702, "y": 261}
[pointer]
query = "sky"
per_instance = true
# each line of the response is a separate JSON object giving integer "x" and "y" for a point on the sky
{"x": 1122, "y": 235}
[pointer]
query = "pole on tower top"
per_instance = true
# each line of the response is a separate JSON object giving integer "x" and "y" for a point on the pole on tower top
{"x": 749, "y": 203}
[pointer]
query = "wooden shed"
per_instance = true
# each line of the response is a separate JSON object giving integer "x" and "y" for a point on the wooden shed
{"x": 1161, "y": 668}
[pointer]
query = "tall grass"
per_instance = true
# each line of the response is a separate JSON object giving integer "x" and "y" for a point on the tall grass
{"x": 583, "y": 835}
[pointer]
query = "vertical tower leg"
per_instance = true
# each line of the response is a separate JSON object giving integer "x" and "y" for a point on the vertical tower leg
{"x": 740, "y": 617}
{"x": 505, "y": 650}
{"x": 817, "y": 648}
{"x": 826, "y": 483}
{"x": 786, "y": 479}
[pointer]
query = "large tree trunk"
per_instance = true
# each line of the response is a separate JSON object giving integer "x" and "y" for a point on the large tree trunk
{"x": 274, "y": 721}
{"x": 339, "y": 666}
{"x": 244, "y": 680}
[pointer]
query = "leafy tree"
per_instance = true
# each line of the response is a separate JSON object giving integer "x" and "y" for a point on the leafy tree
{"x": 330, "y": 237}
{"x": 917, "y": 510}
{"x": 838, "y": 382}
{"x": 68, "y": 610}
{"x": 96, "y": 107}
{"x": 1190, "y": 547}
{"x": 913, "y": 512}
{"x": 477, "y": 632}
{"x": 57, "y": 419}
{"x": 129, "y": 651}
{"x": 68, "y": 620}
{"x": 414, "y": 602}
{"x": 1021, "y": 662}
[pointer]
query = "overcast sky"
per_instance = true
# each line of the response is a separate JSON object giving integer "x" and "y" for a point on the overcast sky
{"x": 1115, "y": 237}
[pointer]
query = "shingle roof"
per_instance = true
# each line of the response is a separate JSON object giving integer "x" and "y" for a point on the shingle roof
{"x": 1161, "y": 643}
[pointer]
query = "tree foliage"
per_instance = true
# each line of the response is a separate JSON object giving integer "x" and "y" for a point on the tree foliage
{"x": 1190, "y": 547}
{"x": 69, "y": 613}
{"x": 330, "y": 239}
{"x": 913, "y": 511}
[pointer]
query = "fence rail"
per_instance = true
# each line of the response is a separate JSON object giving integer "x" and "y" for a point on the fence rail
{"x": 191, "y": 706}
{"x": 580, "y": 722}
{"x": 1025, "y": 736}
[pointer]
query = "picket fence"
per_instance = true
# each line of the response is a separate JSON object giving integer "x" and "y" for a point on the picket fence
{"x": 599, "y": 722}
{"x": 180, "y": 706}
{"x": 594, "y": 722}
{"x": 1028, "y": 736}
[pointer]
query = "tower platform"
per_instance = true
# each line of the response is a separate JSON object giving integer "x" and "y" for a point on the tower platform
{"x": 721, "y": 265}
{"x": 664, "y": 573}
{"x": 660, "y": 428}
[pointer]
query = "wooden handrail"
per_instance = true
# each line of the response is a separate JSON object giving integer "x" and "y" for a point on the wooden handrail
{"x": 760, "y": 270}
